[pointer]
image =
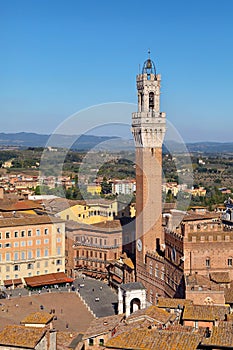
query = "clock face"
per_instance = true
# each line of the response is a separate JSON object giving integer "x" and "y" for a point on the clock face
{"x": 139, "y": 245}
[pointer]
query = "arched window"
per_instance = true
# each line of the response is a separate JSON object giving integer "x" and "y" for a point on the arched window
{"x": 151, "y": 100}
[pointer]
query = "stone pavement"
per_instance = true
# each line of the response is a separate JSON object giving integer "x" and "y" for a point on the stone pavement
{"x": 70, "y": 312}
{"x": 101, "y": 299}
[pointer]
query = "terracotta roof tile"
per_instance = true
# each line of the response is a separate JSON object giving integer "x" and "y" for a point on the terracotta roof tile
{"x": 220, "y": 277}
{"x": 228, "y": 295}
{"x": 152, "y": 312}
{"x": 38, "y": 317}
{"x": 205, "y": 312}
{"x": 32, "y": 220}
{"x": 221, "y": 336}
{"x": 48, "y": 279}
{"x": 173, "y": 303}
{"x": 102, "y": 325}
{"x": 21, "y": 336}
{"x": 155, "y": 340}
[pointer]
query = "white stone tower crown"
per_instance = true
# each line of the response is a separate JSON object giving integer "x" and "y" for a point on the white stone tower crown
{"x": 148, "y": 124}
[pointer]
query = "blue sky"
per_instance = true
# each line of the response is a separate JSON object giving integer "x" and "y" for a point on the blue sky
{"x": 61, "y": 56}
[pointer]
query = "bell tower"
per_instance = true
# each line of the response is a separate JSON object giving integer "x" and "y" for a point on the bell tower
{"x": 148, "y": 128}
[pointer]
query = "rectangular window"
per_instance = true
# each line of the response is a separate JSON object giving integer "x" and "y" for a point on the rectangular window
{"x": 58, "y": 230}
{"x": 7, "y": 245}
{"x": 8, "y": 256}
{"x": 229, "y": 262}
{"x": 0, "y": 245}
{"x": 23, "y": 256}
{"x": 23, "y": 244}
{"x": 46, "y": 231}
{"x": 16, "y": 244}
{"x": 16, "y": 234}
{"x": 29, "y": 233}
{"x": 29, "y": 243}
{"x": 38, "y": 253}
{"x": 46, "y": 264}
{"x": 38, "y": 242}
{"x": 22, "y": 233}
{"x": 58, "y": 262}
{"x": 0, "y": 235}
{"x": 115, "y": 242}
{"x": 16, "y": 256}
{"x": 30, "y": 266}
{"x": 38, "y": 232}
{"x": 7, "y": 235}
{"x": 46, "y": 252}
{"x": 207, "y": 262}
{"x": 46, "y": 241}
{"x": 58, "y": 250}
{"x": 38, "y": 265}
{"x": 0, "y": 257}
{"x": 105, "y": 242}
{"x": 29, "y": 254}
{"x": 58, "y": 240}
{"x": 100, "y": 241}
{"x": 16, "y": 268}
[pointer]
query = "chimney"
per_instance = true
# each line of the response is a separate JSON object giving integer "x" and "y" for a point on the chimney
{"x": 52, "y": 339}
{"x": 1, "y": 193}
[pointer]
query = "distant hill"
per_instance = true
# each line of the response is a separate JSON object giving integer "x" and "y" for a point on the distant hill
{"x": 85, "y": 142}
{"x": 211, "y": 147}
{"x": 24, "y": 139}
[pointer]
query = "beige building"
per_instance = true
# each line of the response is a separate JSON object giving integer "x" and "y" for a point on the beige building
{"x": 91, "y": 211}
{"x": 30, "y": 246}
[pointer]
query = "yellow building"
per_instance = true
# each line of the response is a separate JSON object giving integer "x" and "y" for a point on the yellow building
{"x": 30, "y": 246}
{"x": 90, "y": 212}
{"x": 94, "y": 189}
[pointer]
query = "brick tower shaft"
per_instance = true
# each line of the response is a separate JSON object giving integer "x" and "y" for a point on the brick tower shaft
{"x": 148, "y": 127}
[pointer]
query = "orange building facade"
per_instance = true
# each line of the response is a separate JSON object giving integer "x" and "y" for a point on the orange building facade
{"x": 30, "y": 246}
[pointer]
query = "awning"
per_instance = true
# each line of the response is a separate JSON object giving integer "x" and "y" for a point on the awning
{"x": 12, "y": 282}
{"x": 117, "y": 279}
{"x": 48, "y": 279}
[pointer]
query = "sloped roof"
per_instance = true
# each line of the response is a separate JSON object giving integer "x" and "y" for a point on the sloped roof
{"x": 37, "y": 318}
{"x": 48, "y": 279}
{"x": 221, "y": 336}
{"x": 21, "y": 336}
{"x": 6, "y": 205}
{"x": 153, "y": 312}
{"x": 220, "y": 277}
{"x": 102, "y": 325}
{"x": 200, "y": 280}
{"x": 132, "y": 286}
{"x": 205, "y": 312}
{"x": 173, "y": 303}
{"x": 29, "y": 220}
{"x": 154, "y": 340}
{"x": 228, "y": 295}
